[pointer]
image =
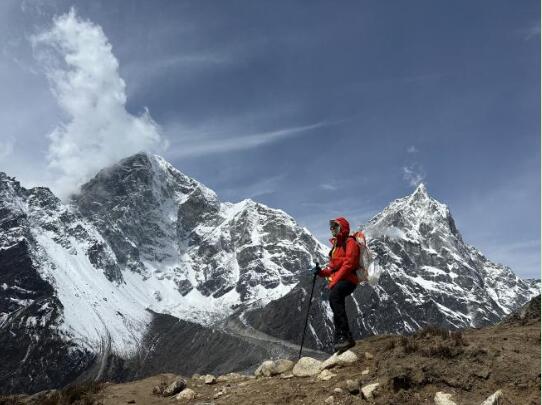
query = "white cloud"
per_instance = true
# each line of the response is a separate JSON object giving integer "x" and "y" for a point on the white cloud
{"x": 84, "y": 78}
{"x": 412, "y": 149}
{"x": 202, "y": 142}
{"x": 413, "y": 174}
{"x": 328, "y": 187}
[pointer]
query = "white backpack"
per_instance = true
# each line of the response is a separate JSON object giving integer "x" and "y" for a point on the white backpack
{"x": 366, "y": 271}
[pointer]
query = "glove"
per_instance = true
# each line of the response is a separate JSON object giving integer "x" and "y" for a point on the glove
{"x": 316, "y": 269}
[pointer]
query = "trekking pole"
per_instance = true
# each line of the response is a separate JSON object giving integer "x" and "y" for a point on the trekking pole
{"x": 307, "y": 318}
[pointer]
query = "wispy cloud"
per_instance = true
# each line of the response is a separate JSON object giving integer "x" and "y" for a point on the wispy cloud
{"x": 257, "y": 189}
{"x": 412, "y": 149}
{"x": 530, "y": 32}
{"x": 203, "y": 143}
{"x": 413, "y": 174}
{"x": 83, "y": 72}
{"x": 328, "y": 187}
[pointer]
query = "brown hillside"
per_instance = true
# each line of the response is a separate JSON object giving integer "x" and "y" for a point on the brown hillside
{"x": 470, "y": 365}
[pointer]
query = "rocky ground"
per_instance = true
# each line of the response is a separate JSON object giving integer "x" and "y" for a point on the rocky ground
{"x": 465, "y": 367}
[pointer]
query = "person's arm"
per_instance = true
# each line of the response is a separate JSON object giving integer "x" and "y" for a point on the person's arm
{"x": 326, "y": 272}
{"x": 350, "y": 262}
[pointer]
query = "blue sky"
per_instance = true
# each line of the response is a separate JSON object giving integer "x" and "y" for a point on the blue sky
{"x": 312, "y": 107}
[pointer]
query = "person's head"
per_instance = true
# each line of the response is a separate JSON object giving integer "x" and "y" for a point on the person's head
{"x": 339, "y": 227}
{"x": 334, "y": 227}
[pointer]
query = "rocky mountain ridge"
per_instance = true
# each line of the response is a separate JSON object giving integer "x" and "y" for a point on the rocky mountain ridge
{"x": 429, "y": 276}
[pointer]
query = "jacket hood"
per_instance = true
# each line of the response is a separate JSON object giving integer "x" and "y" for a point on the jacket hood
{"x": 345, "y": 229}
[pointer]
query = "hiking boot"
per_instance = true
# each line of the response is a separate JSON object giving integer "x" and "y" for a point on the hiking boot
{"x": 343, "y": 344}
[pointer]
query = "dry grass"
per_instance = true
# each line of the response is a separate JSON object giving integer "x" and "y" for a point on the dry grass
{"x": 408, "y": 344}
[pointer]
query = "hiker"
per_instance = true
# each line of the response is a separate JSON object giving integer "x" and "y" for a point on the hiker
{"x": 342, "y": 279}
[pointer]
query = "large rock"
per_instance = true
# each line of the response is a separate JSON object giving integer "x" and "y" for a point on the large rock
{"x": 282, "y": 366}
{"x": 442, "y": 398}
{"x": 326, "y": 375}
{"x": 175, "y": 387}
{"x": 270, "y": 368}
{"x": 306, "y": 366}
{"x": 209, "y": 379}
{"x": 186, "y": 395}
{"x": 495, "y": 399}
{"x": 348, "y": 357}
{"x": 265, "y": 369}
{"x": 368, "y": 391}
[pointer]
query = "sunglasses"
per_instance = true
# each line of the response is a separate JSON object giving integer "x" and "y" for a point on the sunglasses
{"x": 334, "y": 225}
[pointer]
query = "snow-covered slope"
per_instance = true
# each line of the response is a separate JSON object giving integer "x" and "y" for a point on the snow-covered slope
{"x": 141, "y": 235}
{"x": 430, "y": 276}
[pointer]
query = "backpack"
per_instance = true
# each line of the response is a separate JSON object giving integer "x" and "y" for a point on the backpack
{"x": 366, "y": 257}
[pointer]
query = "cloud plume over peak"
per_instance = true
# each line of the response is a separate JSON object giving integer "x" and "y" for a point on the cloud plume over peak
{"x": 413, "y": 174}
{"x": 84, "y": 78}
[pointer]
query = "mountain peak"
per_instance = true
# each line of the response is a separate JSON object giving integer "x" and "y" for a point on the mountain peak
{"x": 420, "y": 193}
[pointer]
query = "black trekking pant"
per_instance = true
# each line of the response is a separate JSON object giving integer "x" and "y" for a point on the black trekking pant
{"x": 337, "y": 296}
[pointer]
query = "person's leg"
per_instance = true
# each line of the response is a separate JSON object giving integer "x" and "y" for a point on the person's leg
{"x": 337, "y": 298}
{"x": 335, "y": 304}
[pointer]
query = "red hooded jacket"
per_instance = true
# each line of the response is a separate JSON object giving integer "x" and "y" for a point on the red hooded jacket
{"x": 344, "y": 257}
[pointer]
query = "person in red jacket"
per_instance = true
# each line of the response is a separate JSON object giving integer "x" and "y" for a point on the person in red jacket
{"x": 341, "y": 275}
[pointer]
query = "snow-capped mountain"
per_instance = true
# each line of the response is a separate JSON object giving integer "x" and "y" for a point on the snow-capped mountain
{"x": 139, "y": 237}
{"x": 430, "y": 276}
{"x": 93, "y": 286}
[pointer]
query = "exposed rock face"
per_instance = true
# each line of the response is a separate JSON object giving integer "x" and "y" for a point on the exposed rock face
{"x": 528, "y": 312}
{"x": 31, "y": 345}
{"x": 430, "y": 276}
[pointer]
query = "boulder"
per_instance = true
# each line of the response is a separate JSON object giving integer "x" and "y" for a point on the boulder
{"x": 325, "y": 375}
{"x": 365, "y": 372}
{"x": 348, "y": 357}
{"x": 442, "y": 398}
{"x": 368, "y": 391}
{"x": 283, "y": 365}
{"x": 175, "y": 387}
{"x": 306, "y": 366}
{"x": 494, "y": 399}
{"x": 186, "y": 395}
{"x": 329, "y": 400}
{"x": 209, "y": 379}
{"x": 265, "y": 369}
{"x": 270, "y": 368}
{"x": 368, "y": 356}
